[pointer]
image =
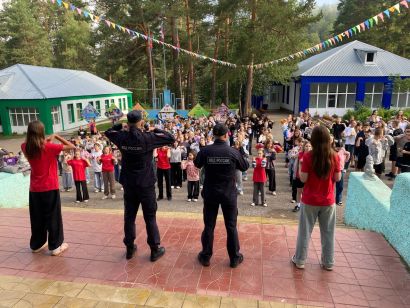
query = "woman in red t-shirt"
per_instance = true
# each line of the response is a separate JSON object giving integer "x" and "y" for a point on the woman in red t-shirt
{"x": 108, "y": 162}
{"x": 320, "y": 171}
{"x": 79, "y": 164}
{"x": 44, "y": 195}
{"x": 163, "y": 171}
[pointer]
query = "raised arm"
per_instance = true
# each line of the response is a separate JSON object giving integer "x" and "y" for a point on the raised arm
{"x": 67, "y": 145}
{"x": 159, "y": 138}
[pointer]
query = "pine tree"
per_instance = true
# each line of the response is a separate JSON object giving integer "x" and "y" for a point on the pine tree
{"x": 391, "y": 35}
{"x": 25, "y": 41}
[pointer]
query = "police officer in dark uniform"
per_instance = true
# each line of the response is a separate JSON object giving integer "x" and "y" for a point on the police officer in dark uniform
{"x": 220, "y": 162}
{"x": 138, "y": 178}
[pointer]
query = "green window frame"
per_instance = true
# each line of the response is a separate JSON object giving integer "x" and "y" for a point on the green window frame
{"x": 71, "y": 117}
{"x": 98, "y": 106}
{"x": 107, "y": 104}
{"x": 79, "y": 107}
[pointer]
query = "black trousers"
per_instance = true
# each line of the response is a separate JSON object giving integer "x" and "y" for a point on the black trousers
{"x": 271, "y": 173}
{"x": 45, "y": 217}
{"x": 193, "y": 189}
{"x": 133, "y": 197}
{"x": 82, "y": 191}
{"x": 161, "y": 174}
{"x": 176, "y": 174}
{"x": 230, "y": 213}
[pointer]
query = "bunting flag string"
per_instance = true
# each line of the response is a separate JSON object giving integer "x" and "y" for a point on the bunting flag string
{"x": 320, "y": 47}
{"x": 337, "y": 39}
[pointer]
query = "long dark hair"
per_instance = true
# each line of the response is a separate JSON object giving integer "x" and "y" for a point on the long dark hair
{"x": 323, "y": 156}
{"x": 34, "y": 139}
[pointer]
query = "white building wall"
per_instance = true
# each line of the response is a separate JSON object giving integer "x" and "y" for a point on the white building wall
{"x": 84, "y": 102}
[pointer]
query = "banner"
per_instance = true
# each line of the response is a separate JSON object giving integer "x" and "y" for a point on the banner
{"x": 331, "y": 42}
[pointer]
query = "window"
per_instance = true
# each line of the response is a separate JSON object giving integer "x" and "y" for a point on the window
{"x": 91, "y": 103}
{"x": 370, "y": 57}
{"x": 124, "y": 103}
{"x": 79, "y": 109}
{"x": 120, "y": 103}
{"x": 98, "y": 106}
{"x": 332, "y": 95}
{"x": 22, "y": 116}
{"x": 107, "y": 104}
{"x": 71, "y": 118}
{"x": 374, "y": 95}
{"x": 55, "y": 114}
{"x": 400, "y": 99}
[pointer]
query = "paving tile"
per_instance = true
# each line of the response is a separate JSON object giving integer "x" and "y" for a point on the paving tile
{"x": 361, "y": 261}
{"x": 353, "y": 247}
{"x": 390, "y": 264}
{"x": 279, "y": 288}
{"x": 381, "y": 298}
{"x": 114, "y": 294}
{"x": 175, "y": 237}
{"x": 9, "y": 282}
{"x": 165, "y": 299}
{"x": 38, "y": 300}
{"x": 203, "y": 301}
{"x": 10, "y": 298}
{"x": 339, "y": 274}
{"x": 251, "y": 245}
{"x": 266, "y": 304}
{"x": 185, "y": 274}
{"x": 247, "y": 278}
{"x": 277, "y": 270}
{"x": 348, "y": 294}
{"x": 314, "y": 291}
{"x": 238, "y": 303}
{"x": 19, "y": 260}
{"x": 116, "y": 305}
{"x": 215, "y": 279}
{"x": 371, "y": 278}
{"x": 60, "y": 288}
{"x": 73, "y": 302}
{"x": 30, "y": 285}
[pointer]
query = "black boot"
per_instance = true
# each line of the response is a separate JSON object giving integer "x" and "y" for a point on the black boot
{"x": 157, "y": 253}
{"x": 130, "y": 251}
{"x": 204, "y": 261}
{"x": 237, "y": 261}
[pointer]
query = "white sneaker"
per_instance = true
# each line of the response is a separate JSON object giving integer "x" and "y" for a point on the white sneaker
{"x": 172, "y": 187}
{"x": 122, "y": 188}
{"x": 96, "y": 191}
{"x": 77, "y": 201}
{"x": 274, "y": 193}
{"x": 252, "y": 204}
{"x": 195, "y": 200}
{"x": 189, "y": 200}
{"x": 264, "y": 204}
{"x": 293, "y": 201}
{"x": 299, "y": 266}
{"x": 105, "y": 197}
{"x": 113, "y": 197}
{"x": 201, "y": 186}
{"x": 58, "y": 251}
{"x": 41, "y": 248}
{"x": 245, "y": 179}
{"x": 86, "y": 200}
{"x": 241, "y": 193}
{"x": 177, "y": 187}
{"x": 70, "y": 189}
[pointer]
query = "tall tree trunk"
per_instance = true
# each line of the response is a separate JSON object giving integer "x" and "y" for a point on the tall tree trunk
{"x": 177, "y": 82}
{"x": 150, "y": 73}
{"x": 226, "y": 48}
{"x": 191, "y": 82}
{"x": 249, "y": 83}
{"x": 213, "y": 85}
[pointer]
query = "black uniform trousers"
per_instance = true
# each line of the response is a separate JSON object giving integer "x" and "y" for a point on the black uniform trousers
{"x": 271, "y": 173}
{"x": 193, "y": 189}
{"x": 176, "y": 174}
{"x": 45, "y": 216}
{"x": 81, "y": 191}
{"x": 161, "y": 174}
{"x": 133, "y": 197}
{"x": 230, "y": 213}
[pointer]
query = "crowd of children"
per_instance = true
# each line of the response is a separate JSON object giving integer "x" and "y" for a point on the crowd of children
{"x": 352, "y": 140}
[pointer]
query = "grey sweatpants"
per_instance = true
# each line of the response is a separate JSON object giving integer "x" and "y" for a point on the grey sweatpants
{"x": 327, "y": 224}
{"x": 109, "y": 183}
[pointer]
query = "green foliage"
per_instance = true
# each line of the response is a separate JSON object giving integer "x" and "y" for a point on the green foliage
{"x": 362, "y": 113}
{"x": 389, "y": 35}
{"x": 322, "y": 29}
{"x": 25, "y": 41}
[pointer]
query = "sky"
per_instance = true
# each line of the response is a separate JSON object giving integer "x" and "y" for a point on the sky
{"x": 320, "y": 2}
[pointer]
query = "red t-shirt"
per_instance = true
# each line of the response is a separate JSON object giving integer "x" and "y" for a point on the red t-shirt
{"x": 78, "y": 166}
{"x": 259, "y": 173}
{"x": 319, "y": 191}
{"x": 43, "y": 175}
{"x": 107, "y": 161}
{"x": 163, "y": 159}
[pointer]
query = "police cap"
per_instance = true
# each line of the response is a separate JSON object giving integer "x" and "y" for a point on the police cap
{"x": 219, "y": 129}
{"x": 134, "y": 116}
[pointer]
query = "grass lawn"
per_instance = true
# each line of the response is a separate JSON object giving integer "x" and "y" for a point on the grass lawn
{"x": 3, "y": 137}
{"x": 104, "y": 126}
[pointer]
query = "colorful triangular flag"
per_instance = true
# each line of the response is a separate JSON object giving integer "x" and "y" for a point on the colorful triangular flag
{"x": 397, "y": 7}
{"x": 65, "y": 5}
{"x": 404, "y": 3}
{"x": 387, "y": 13}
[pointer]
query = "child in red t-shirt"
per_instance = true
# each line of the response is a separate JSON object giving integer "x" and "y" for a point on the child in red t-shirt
{"x": 79, "y": 164}
{"x": 108, "y": 161}
{"x": 162, "y": 156}
{"x": 259, "y": 178}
